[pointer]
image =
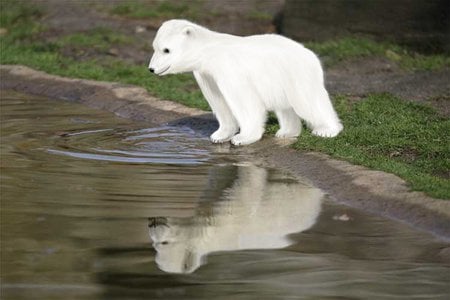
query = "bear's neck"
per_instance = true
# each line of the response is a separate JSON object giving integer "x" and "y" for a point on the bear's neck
{"x": 209, "y": 39}
{"x": 218, "y": 37}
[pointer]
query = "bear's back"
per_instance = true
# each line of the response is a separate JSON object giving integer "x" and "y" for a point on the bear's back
{"x": 258, "y": 50}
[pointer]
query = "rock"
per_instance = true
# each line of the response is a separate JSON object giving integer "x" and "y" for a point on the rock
{"x": 140, "y": 29}
{"x": 113, "y": 52}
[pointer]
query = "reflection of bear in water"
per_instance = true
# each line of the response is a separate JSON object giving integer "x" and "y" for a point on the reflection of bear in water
{"x": 257, "y": 211}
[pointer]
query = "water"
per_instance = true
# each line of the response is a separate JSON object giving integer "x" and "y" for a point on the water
{"x": 98, "y": 207}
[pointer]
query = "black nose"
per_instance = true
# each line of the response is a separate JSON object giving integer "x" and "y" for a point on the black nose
{"x": 151, "y": 70}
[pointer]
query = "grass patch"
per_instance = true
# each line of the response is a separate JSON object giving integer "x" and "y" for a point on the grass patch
{"x": 335, "y": 51}
{"x": 345, "y": 48}
{"x": 98, "y": 38}
{"x": 18, "y": 18}
{"x": 259, "y": 15}
{"x": 160, "y": 9}
{"x": 15, "y": 12}
{"x": 381, "y": 132}
{"x": 385, "y": 133}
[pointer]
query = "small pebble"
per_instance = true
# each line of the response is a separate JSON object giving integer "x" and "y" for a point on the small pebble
{"x": 343, "y": 218}
{"x": 113, "y": 52}
{"x": 140, "y": 29}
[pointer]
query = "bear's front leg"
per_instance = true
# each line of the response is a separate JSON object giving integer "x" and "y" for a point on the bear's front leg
{"x": 251, "y": 126}
{"x": 246, "y": 107}
{"x": 227, "y": 123}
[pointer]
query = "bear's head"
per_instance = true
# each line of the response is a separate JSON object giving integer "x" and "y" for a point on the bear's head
{"x": 177, "y": 243}
{"x": 175, "y": 48}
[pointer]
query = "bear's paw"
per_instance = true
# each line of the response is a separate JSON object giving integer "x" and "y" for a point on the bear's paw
{"x": 327, "y": 132}
{"x": 284, "y": 134}
{"x": 221, "y": 136}
{"x": 240, "y": 139}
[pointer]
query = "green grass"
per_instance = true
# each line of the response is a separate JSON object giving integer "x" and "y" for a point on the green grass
{"x": 335, "y": 51}
{"x": 98, "y": 38}
{"x": 385, "y": 133}
{"x": 381, "y": 132}
{"x": 14, "y": 12}
{"x": 19, "y": 19}
{"x": 161, "y": 9}
{"x": 259, "y": 15}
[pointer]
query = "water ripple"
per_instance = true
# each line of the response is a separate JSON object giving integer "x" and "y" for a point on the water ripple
{"x": 162, "y": 145}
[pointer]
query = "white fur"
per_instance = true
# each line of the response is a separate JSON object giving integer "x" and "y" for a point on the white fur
{"x": 256, "y": 212}
{"x": 244, "y": 77}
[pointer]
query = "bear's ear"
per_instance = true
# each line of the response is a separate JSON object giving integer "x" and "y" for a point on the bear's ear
{"x": 188, "y": 30}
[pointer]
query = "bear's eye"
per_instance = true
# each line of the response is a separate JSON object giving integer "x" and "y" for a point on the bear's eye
{"x": 166, "y": 50}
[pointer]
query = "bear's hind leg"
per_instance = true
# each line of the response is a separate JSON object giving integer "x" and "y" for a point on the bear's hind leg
{"x": 290, "y": 124}
{"x": 316, "y": 109}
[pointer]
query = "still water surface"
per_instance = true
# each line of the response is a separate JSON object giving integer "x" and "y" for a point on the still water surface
{"x": 98, "y": 207}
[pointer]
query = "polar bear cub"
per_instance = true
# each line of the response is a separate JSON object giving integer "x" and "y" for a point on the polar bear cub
{"x": 243, "y": 78}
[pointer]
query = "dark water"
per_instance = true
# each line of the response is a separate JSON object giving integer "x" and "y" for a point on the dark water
{"x": 97, "y": 207}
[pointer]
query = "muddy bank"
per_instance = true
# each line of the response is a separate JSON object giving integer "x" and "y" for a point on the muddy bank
{"x": 373, "y": 191}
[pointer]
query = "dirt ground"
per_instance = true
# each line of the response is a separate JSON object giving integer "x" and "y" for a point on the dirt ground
{"x": 357, "y": 77}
